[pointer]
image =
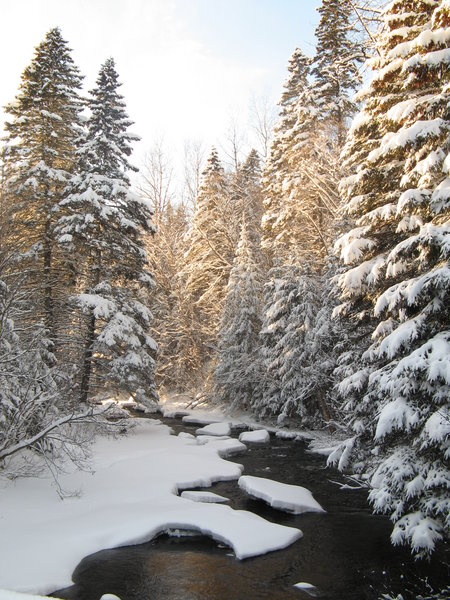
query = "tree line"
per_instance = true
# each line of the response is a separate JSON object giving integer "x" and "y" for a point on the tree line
{"x": 309, "y": 288}
{"x": 313, "y": 289}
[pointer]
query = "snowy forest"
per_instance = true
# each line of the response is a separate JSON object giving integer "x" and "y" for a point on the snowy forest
{"x": 306, "y": 284}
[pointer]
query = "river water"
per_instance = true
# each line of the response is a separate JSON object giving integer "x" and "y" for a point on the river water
{"x": 345, "y": 554}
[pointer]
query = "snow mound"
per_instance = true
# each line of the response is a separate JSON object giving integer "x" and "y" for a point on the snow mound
{"x": 203, "y": 496}
{"x": 201, "y": 419}
{"x": 215, "y": 429}
{"x": 290, "y": 498}
{"x": 206, "y": 439}
{"x": 186, "y": 435}
{"x": 174, "y": 414}
{"x": 260, "y": 436}
{"x": 225, "y": 446}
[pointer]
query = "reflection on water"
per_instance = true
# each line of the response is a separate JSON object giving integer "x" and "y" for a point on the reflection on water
{"x": 345, "y": 553}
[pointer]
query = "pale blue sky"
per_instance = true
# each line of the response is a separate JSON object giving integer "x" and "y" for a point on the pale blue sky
{"x": 186, "y": 65}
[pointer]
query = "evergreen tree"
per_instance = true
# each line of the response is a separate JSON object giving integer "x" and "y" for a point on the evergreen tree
{"x": 247, "y": 201}
{"x": 279, "y": 299}
{"x": 209, "y": 256}
{"x": 299, "y": 397}
{"x": 173, "y": 326}
{"x": 39, "y": 158}
{"x": 335, "y": 66}
{"x": 290, "y": 378}
{"x": 103, "y": 237}
{"x": 278, "y": 172}
{"x": 235, "y": 377}
{"x": 397, "y": 279}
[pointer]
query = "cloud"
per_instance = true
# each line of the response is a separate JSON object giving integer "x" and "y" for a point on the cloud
{"x": 172, "y": 83}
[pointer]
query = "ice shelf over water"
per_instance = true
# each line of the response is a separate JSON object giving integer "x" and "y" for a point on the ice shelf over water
{"x": 203, "y": 496}
{"x": 201, "y": 419}
{"x": 291, "y": 498}
{"x": 215, "y": 429}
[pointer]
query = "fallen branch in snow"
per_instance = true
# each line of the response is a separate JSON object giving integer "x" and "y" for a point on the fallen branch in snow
{"x": 197, "y": 401}
{"x": 88, "y": 416}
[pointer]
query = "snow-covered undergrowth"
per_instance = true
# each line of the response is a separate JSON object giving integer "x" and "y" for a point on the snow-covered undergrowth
{"x": 128, "y": 497}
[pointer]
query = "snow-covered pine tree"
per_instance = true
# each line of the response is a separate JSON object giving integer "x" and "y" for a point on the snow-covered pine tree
{"x": 247, "y": 201}
{"x": 398, "y": 275}
{"x": 288, "y": 383}
{"x": 172, "y": 316}
{"x": 103, "y": 237}
{"x": 301, "y": 395}
{"x": 209, "y": 257}
{"x": 335, "y": 69}
{"x": 39, "y": 157}
{"x": 277, "y": 220}
{"x": 235, "y": 375}
{"x": 279, "y": 299}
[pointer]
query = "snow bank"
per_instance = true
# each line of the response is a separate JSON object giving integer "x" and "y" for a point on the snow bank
{"x": 259, "y": 436}
{"x": 225, "y": 446}
{"x": 8, "y": 595}
{"x": 201, "y": 419}
{"x": 291, "y": 498}
{"x": 215, "y": 429}
{"x": 128, "y": 498}
{"x": 203, "y": 496}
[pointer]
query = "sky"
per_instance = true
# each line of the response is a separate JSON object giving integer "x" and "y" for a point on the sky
{"x": 188, "y": 67}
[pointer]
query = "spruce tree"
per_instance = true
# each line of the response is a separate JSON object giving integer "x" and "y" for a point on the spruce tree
{"x": 39, "y": 158}
{"x": 208, "y": 258}
{"x": 103, "y": 237}
{"x": 335, "y": 68}
{"x": 397, "y": 278}
{"x": 235, "y": 374}
{"x": 278, "y": 238}
{"x": 279, "y": 299}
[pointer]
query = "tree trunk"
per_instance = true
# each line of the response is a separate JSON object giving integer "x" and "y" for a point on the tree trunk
{"x": 87, "y": 360}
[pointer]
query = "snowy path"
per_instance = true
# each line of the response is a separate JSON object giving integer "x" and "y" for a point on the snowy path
{"x": 129, "y": 498}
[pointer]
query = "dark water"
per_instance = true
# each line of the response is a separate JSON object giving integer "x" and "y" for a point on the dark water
{"x": 346, "y": 553}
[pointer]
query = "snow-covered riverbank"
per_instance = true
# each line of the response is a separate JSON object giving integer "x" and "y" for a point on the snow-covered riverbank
{"x": 129, "y": 496}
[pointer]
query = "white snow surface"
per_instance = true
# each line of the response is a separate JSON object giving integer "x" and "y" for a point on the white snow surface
{"x": 203, "y": 496}
{"x": 215, "y": 429}
{"x": 202, "y": 419}
{"x": 129, "y": 497}
{"x": 227, "y": 447}
{"x": 8, "y": 595}
{"x": 259, "y": 436}
{"x": 291, "y": 498}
